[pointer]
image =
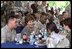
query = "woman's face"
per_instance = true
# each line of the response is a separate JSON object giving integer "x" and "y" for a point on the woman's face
{"x": 47, "y": 21}
{"x": 49, "y": 14}
{"x": 43, "y": 19}
{"x": 30, "y": 23}
{"x": 65, "y": 27}
{"x": 66, "y": 14}
{"x": 38, "y": 15}
{"x": 57, "y": 11}
{"x": 49, "y": 31}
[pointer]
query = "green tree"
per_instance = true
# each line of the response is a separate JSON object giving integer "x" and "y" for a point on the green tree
{"x": 60, "y": 4}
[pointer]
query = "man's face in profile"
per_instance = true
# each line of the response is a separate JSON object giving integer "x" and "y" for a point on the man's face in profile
{"x": 13, "y": 22}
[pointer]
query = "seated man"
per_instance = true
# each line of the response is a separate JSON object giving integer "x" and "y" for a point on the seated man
{"x": 7, "y": 32}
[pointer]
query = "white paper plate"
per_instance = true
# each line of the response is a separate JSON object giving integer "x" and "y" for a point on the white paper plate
{"x": 39, "y": 44}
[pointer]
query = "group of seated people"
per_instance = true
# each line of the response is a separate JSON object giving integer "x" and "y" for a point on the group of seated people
{"x": 55, "y": 29}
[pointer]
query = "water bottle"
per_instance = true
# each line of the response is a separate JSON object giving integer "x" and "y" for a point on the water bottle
{"x": 32, "y": 39}
{"x": 42, "y": 31}
{"x": 17, "y": 38}
{"x": 45, "y": 34}
{"x": 21, "y": 41}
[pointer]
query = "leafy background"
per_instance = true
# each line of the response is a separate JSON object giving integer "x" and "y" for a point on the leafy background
{"x": 60, "y": 4}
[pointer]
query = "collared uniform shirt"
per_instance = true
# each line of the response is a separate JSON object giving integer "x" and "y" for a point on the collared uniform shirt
{"x": 7, "y": 34}
{"x": 57, "y": 41}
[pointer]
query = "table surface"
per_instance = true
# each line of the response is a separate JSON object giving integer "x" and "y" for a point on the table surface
{"x": 16, "y": 45}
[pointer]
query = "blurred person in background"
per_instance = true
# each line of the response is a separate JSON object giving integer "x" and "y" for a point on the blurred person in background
{"x": 66, "y": 24}
{"x": 3, "y": 20}
{"x": 50, "y": 14}
{"x": 34, "y": 7}
{"x": 42, "y": 7}
{"x": 57, "y": 14}
{"x": 64, "y": 15}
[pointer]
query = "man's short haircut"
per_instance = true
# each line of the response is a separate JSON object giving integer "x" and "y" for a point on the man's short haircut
{"x": 11, "y": 16}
